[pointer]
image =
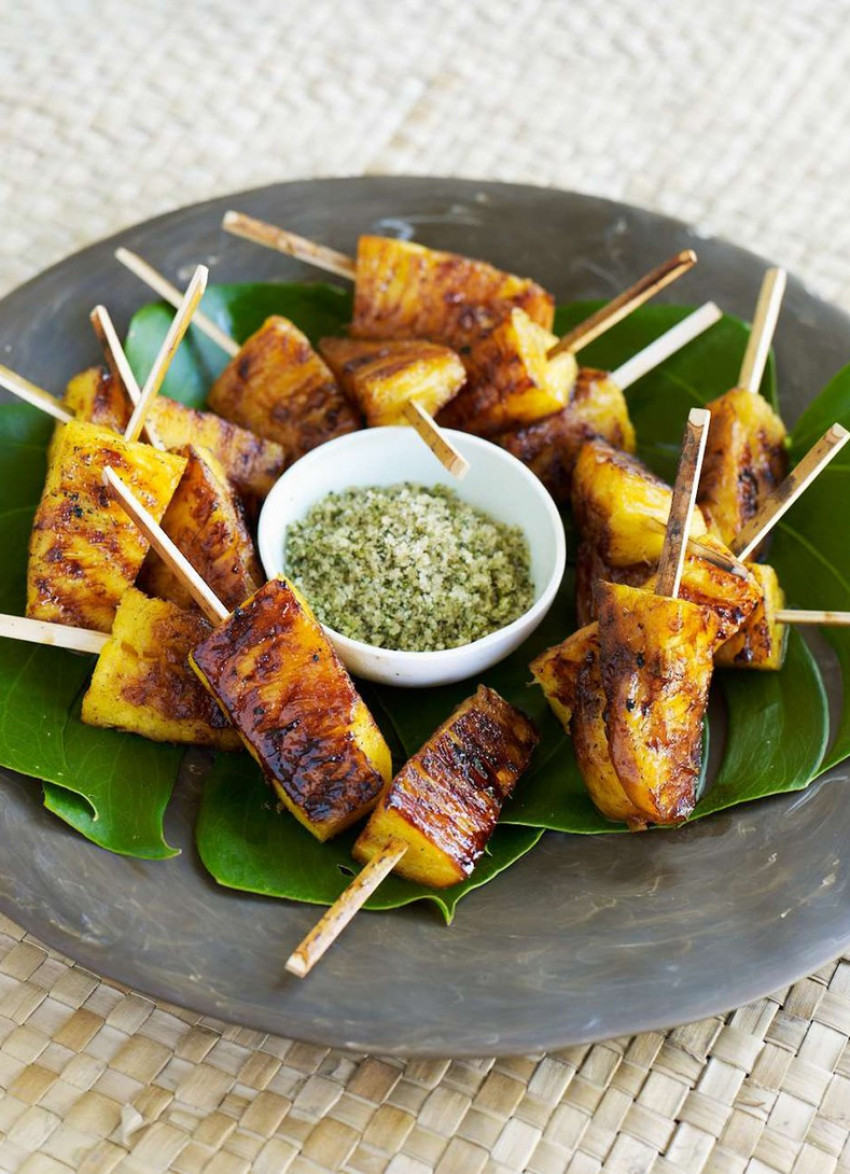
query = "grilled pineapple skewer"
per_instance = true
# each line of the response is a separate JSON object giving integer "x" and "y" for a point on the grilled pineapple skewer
{"x": 634, "y": 687}
{"x": 597, "y": 408}
{"x": 83, "y": 553}
{"x": 403, "y": 290}
{"x": 275, "y": 676}
{"x": 747, "y": 449}
{"x": 142, "y": 683}
{"x": 205, "y": 521}
{"x": 280, "y": 389}
{"x": 520, "y": 373}
{"x": 382, "y": 377}
{"x": 252, "y": 464}
{"x": 286, "y": 391}
{"x": 746, "y": 596}
{"x": 433, "y": 821}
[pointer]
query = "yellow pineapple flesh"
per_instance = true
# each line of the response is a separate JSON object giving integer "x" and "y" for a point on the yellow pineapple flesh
{"x": 745, "y": 459}
{"x": 142, "y": 682}
{"x": 205, "y": 522}
{"x": 382, "y": 377}
{"x": 404, "y": 290}
{"x": 510, "y": 381}
{"x": 84, "y": 551}
{"x": 279, "y": 681}
{"x": 279, "y": 388}
{"x": 550, "y": 447}
{"x": 445, "y": 802}
{"x": 762, "y": 641}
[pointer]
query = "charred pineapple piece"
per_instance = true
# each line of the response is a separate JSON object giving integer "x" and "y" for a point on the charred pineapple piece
{"x": 94, "y": 395}
{"x": 510, "y": 381}
{"x": 762, "y": 641}
{"x": 445, "y": 802}
{"x": 591, "y": 568}
{"x": 570, "y": 677}
{"x": 84, "y": 551}
{"x": 550, "y": 447}
{"x": 621, "y": 506}
{"x": 277, "y": 678}
{"x": 656, "y": 661}
{"x": 381, "y": 377}
{"x": 279, "y": 388}
{"x": 404, "y": 290}
{"x": 745, "y": 459}
{"x": 205, "y": 522}
{"x": 252, "y": 463}
{"x": 142, "y": 682}
{"x": 711, "y": 577}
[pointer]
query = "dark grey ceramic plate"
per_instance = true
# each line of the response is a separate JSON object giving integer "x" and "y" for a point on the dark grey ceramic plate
{"x": 587, "y": 937}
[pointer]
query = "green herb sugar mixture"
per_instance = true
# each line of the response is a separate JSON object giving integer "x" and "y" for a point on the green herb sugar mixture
{"x": 409, "y": 567}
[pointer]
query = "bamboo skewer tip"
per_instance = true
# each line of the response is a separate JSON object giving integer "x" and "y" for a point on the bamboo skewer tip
{"x": 683, "y": 503}
{"x": 430, "y": 432}
{"x": 625, "y": 303}
{"x": 328, "y": 928}
{"x": 763, "y": 328}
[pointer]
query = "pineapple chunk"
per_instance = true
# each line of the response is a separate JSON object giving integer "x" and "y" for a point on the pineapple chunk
{"x": 381, "y": 377}
{"x": 656, "y": 661}
{"x": 279, "y": 388}
{"x": 731, "y": 594}
{"x": 142, "y": 682}
{"x": 510, "y": 380}
{"x": 556, "y": 671}
{"x": 95, "y": 396}
{"x": 591, "y": 568}
{"x": 621, "y": 506}
{"x": 569, "y": 675}
{"x": 277, "y": 678}
{"x": 763, "y": 640}
{"x": 252, "y": 463}
{"x": 84, "y": 551}
{"x": 550, "y": 447}
{"x": 745, "y": 459}
{"x": 446, "y": 800}
{"x": 205, "y": 522}
{"x": 404, "y": 290}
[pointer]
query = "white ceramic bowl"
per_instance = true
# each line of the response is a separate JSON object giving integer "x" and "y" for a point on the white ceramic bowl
{"x": 497, "y": 483}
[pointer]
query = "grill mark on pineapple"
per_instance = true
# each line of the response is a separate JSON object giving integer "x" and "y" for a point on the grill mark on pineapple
{"x": 298, "y": 727}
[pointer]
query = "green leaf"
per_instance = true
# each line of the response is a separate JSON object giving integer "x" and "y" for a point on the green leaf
{"x": 239, "y": 310}
{"x": 245, "y": 843}
{"x": 830, "y": 407}
{"x": 112, "y": 787}
{"x": 778, "y": 729}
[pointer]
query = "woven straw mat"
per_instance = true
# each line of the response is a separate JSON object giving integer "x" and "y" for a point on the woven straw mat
{"x": 731, "y": 115}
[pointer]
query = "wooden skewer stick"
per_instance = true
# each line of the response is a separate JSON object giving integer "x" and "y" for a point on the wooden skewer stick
{"x": 119, "y": 366}
{"x": 683, "y": 503}
{"x": 328, "y": 928}
{"x": 786, "y": 493}
{"x": 838, "y": 619}
{"x": 171, "y": 294}
{"x": 172, "y": 340}
{"x": 621, "y": 306}
{"x": 206, "y": 599}
{"x": 58, "y": 635}
{"x": 37, "y": 396}
{"x": 436, "y": 439}
{"x": 666, "y": 345}
{"x": 290, "y": 243}
{"x": 761, "y": 333}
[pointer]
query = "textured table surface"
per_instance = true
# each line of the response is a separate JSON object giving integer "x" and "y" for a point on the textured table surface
{"x": 730, "y": 115}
